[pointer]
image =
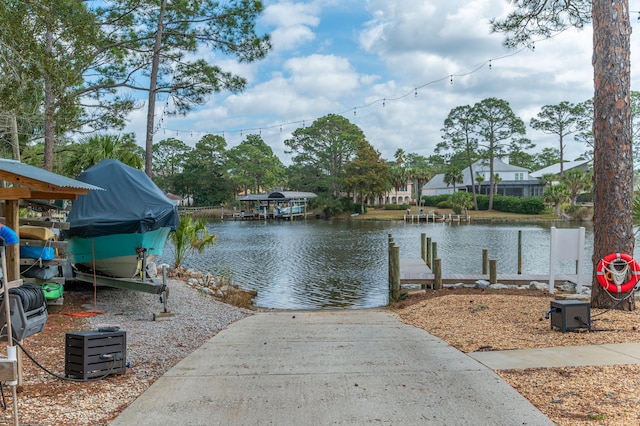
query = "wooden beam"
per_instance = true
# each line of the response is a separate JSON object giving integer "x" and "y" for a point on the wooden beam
{"x": 59, "y": 194}
{"x": 25, "y": 181}
{"x": 16, "y": 193}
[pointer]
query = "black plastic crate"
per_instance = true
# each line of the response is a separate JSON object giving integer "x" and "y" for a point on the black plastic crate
{"x": 570, "y": 314}
{"x": 91, "y": 354}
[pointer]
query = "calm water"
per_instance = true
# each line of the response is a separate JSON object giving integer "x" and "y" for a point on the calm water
{"x": 343, "y": 264}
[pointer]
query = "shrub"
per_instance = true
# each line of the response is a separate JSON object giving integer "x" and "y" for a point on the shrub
{"x": 460, "y": 202}
{"x": 531, "y": 205}
{"x": 582, "y": 214}
{"x": 433, "y": 200}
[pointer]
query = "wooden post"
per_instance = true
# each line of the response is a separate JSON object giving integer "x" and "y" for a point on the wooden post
{"x": 519, "y": 252}
{"x": 423, "y": 248}
{"x": 434, "y": 250}
{"x": 485, "y": 261}
{"x": 390, "y": 264}
{"x": 437, "y": 274}
{"x": 493, "y": 271}
{"x": 429, "y": 256}
{"x": 394, "y": 284}
{"x": 12, "y": 212}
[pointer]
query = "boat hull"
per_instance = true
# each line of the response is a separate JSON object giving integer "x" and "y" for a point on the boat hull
{"x": 117, "y": 255}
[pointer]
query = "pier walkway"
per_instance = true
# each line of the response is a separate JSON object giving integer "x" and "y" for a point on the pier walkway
{"x": 416, "y": 271}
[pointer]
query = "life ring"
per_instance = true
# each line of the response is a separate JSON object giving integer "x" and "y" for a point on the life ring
{"x": 605, "y": 274}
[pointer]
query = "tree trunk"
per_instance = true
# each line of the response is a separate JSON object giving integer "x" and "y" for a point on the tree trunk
{"x": 49, "y": 109}
{"x": 15, "y": 142}
{"x": 473, "y": 186}
{"x": 153, "y": 82}
{"x": 612, "y": 159}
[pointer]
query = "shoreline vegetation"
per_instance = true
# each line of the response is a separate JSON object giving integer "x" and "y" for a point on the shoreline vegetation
{"x": 482, "y": 216}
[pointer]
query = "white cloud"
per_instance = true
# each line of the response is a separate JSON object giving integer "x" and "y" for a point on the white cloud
{"x": 292, "y": 23}
{"x": 331, "y": 56}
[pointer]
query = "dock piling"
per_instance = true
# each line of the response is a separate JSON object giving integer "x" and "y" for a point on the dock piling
{"x": 493, "y": 271}
{"x": 437, "y": 274}
{"x": 520, "y": 252}
{"x": 485, "y": 261}
{"x": 394, "y": 283}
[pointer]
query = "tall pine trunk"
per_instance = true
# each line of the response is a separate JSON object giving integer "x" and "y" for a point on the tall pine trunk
{"x": 612, "y": 159}
{"x": 153, "y": 84}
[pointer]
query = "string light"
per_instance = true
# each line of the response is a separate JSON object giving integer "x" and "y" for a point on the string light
{"x": 414, "y": 91}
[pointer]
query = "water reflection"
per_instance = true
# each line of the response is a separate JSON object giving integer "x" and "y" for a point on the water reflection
{"x": 343, "y": 264}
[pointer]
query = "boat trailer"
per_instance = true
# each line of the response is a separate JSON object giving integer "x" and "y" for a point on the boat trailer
{"x": 143, "y": 284}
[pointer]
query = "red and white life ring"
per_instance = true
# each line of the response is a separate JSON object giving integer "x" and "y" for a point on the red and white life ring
{"x": 605, "y": 275}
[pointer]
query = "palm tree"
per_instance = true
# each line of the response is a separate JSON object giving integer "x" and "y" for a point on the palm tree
{"x": 496, "y": 181}
{"x": 191, "y": 236}
{"x": 453, "y": 176}
{"x": 479, "y": 179}
{"x": 576, "y": 181}
{"x": 547, "y": 179}
{"x": 399, "y": 156}
{"x": 399, "y": 178}
{"x": 91, "y": 150}
{"x": 556, "y": 195}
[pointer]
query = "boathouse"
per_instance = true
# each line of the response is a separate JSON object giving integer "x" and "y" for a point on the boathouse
{"x": 286, "y": 205}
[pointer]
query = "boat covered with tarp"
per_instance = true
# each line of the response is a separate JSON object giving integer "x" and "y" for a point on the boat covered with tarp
{"x": 115, "y": 232}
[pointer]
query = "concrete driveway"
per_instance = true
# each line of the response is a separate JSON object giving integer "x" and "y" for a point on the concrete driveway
{"x": 355, "y": 367}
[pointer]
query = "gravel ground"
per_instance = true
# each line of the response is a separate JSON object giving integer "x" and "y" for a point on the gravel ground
{"x": 153, "y": 347}
{"x": 469, "y": 320}
{"x": 476, "y": 320}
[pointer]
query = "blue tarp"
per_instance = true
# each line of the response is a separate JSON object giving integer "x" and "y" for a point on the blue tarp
{"x": 131, "y": 203}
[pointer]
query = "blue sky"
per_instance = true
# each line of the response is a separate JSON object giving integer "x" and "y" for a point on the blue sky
{"x": 395, "y": 68}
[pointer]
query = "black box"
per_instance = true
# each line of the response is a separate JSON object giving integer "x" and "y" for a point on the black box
{"x": 570, "y": 314}
{"x": 90, "y": 354}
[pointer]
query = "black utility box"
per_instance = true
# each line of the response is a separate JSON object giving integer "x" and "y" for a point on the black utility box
{"x": 91, "y": 354}
{"x": 570, "y": 314}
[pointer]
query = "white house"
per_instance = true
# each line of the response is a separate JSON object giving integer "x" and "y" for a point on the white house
{"x": 554, "y": 169}
{"x": 514, "y": 180}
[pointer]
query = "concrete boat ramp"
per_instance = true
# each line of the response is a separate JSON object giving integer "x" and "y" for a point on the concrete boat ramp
{"x": 354, "y": 367}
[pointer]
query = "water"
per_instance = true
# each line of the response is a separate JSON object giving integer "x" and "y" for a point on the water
{"x": 318, "y": 264}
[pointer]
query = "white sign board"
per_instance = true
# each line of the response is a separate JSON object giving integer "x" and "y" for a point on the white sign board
{"x": 566, "y": 244}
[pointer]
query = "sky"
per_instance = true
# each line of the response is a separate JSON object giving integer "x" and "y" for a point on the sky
{"x": 394, "y": 68}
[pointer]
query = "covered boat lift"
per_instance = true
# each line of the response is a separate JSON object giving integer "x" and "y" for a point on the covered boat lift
{"x": 293, "y": 198}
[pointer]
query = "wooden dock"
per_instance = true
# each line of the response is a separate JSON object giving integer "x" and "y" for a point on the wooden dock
{"x": 432, "y": 217}
{"x": 416, "y": 271}
{"x": 262, "y": 216}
